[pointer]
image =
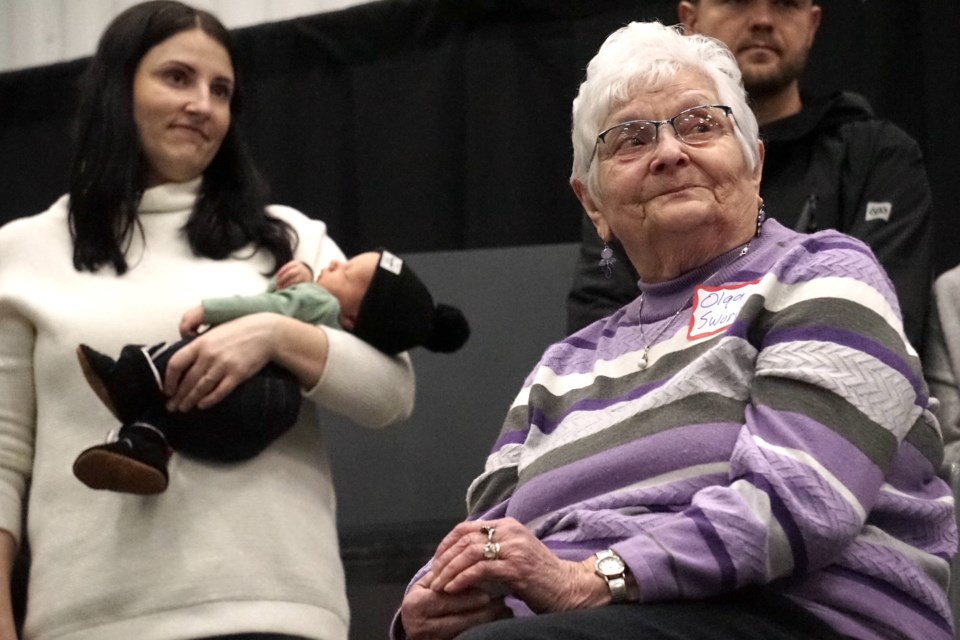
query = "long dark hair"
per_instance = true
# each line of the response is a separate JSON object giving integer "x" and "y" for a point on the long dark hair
{"x": 109, "y": 170}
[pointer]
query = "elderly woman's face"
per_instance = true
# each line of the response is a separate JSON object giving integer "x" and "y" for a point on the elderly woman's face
{"x": 181, "y": 105}
{"x": 673, "y": 190}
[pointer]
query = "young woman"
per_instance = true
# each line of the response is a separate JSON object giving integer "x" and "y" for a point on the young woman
{"x": 165, "y": 209}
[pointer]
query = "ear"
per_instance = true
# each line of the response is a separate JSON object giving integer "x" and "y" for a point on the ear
{"x": 758, "y": 170}
{"x": 591, "y": 207}
{"x": 815, "y": 14}
{"x": 687, "y": 13}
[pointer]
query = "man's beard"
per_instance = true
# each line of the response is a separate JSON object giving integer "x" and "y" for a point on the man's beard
{"x": 772, "y": 83}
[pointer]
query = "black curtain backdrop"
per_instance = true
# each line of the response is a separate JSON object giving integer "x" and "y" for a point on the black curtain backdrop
{"x": 429, "y": 125}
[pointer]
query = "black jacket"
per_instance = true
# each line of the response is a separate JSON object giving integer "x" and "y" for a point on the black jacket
{"x": 834, "y": 165}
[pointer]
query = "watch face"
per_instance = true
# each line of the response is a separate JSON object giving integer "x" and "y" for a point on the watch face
{"x": 610, "y": 566}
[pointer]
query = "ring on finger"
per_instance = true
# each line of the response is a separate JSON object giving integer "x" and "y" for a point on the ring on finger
{"x": 491, "y": 550}
{"x": 489, "y": 531}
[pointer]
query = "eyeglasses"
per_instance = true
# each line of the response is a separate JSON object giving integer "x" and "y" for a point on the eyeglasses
{"x": 695, "y": 126}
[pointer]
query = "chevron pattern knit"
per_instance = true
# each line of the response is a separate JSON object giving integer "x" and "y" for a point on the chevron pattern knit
{"x": 793, "y": 448}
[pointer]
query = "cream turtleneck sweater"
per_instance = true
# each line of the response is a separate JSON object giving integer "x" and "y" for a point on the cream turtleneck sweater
{"x": 227, "y": 548}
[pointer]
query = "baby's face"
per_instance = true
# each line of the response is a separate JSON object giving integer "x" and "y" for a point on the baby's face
{"x": 348, "y": 282}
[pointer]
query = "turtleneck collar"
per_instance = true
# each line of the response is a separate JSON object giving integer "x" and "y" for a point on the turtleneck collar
{"x": 170, "y": 197}
{"x": 662, "y": 299}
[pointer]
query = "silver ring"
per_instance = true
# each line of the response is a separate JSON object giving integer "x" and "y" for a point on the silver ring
{"x": 491, "y": 550}
{"x": 489, "y": 531}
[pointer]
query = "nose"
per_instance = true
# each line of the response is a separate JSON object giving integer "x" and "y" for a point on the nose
{"x": 761, "y": 14}
{"x": 669, "y": 151}
{"x": 200, "y": 101}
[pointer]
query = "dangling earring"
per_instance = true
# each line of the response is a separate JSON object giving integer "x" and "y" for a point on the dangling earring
{"x": 607, "y": 260}
{"x": 761, "y": 216}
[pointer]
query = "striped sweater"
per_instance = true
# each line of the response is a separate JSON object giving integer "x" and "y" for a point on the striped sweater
{"x": 779, "y": 436}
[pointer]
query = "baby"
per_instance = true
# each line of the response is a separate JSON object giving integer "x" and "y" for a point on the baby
{"x": 374, "y": 295}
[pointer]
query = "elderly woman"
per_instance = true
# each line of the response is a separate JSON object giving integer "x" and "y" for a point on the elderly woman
{"x": 744, "y": 451}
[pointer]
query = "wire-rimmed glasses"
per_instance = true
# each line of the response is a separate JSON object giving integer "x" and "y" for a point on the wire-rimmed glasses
{"x": 695, "y": 126}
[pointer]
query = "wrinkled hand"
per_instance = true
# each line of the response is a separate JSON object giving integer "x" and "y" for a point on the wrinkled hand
{"x": 524, "y": 566}
{"x": 191, "y": 321}
{"x": 293, "y": 272}
{"x": 430, "y": 615}
{"x": 203, "y": 372}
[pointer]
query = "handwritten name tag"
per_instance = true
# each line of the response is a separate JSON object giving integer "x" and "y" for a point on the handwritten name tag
{"x": 715, "y": 308}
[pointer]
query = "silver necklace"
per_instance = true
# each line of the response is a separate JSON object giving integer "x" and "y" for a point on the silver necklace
{"x": 645, "y": 356}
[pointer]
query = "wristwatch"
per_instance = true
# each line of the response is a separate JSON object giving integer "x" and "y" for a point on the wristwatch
{"x": 611, "y": 568}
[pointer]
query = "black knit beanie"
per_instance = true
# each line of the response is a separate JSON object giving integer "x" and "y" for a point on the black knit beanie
{"x": 397, "y": 313}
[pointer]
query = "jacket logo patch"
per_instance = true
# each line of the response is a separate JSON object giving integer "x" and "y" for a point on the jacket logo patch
{"x": 879, "y": 211}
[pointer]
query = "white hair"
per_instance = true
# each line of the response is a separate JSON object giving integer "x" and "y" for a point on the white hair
{"x": 645, "y": 55}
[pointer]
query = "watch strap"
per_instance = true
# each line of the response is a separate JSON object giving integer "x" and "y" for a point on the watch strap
{"x": 618, "y": 589}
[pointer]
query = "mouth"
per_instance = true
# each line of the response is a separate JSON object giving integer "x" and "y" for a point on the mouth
{"x": 752, "y": 47}
{"x": 672, "y": 191}
{"x": 192, "y": 131}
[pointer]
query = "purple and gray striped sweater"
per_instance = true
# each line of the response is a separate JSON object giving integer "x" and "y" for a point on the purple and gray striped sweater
{"x": 780, "y": 436}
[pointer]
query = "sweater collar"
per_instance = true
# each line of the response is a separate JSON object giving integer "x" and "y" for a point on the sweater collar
{"x": 170, "y": 197}
{"x": 663, "y": 299}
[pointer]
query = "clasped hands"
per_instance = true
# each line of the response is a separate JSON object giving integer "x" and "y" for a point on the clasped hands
{"x": 469, "y": 578}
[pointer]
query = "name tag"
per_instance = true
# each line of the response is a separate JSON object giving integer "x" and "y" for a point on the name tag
{"x": 715, "y": 308}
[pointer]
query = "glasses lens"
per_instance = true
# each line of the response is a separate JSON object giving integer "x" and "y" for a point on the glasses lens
{"x": 628, "y": 138}
{"x": 700, "y": 124}
{"x": 694, "y": 126}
